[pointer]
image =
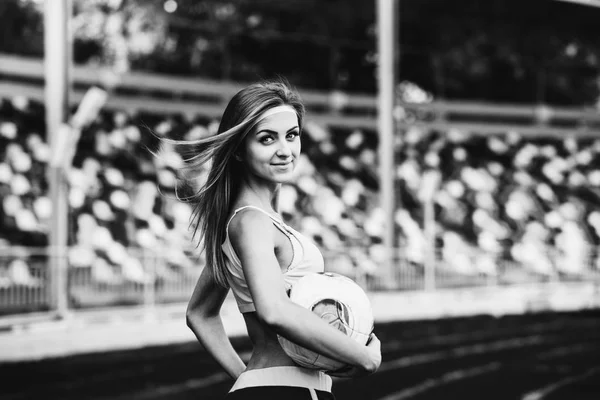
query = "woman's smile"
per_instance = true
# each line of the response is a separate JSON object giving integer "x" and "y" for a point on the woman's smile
{"x": 283, "y": 164}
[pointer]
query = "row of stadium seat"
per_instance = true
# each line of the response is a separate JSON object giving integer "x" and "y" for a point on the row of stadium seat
{"x": 504, "y": 197}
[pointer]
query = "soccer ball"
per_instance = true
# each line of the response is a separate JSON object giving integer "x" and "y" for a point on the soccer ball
{"x": 338, "y": 300}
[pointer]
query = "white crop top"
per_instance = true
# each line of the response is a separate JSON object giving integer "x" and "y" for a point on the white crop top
{"x": 306, "y": 258}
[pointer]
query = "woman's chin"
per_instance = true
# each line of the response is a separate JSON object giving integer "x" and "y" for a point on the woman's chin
{"x": 286, "y": 177}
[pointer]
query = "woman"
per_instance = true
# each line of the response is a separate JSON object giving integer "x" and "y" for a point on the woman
{"x": 252, "y": 251}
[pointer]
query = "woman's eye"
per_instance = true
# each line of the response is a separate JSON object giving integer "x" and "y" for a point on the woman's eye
{"x": 293, "y": 135}
{"x": 266, "y": 139}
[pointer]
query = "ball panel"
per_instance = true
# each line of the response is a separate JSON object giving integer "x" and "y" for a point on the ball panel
{"x": 335, "y": 313}
{"x": 301, "y": 356}
{"x": 327, "y": 364}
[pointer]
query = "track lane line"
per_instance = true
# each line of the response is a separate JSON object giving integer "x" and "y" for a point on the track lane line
{"x": 444, "y": 379}
{"x": 567, "y": 350}
{"x": 542, "y": 392}
{"x": 480, "y": 348}
{"x": 484, "y": 334}
{"x": 169, "y": 390}
{"x": 190, "y": 384}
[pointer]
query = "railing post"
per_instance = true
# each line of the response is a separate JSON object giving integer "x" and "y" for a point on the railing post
{"x": 555, "y": 277}
{"x": 492, "y": 279}
{"x": 56, "y": 281}
{"x": 429, "y": 186}
{"x": 360, "y": 276}
{"x": 63, "y": 283}
{"x": 150, "y": 260}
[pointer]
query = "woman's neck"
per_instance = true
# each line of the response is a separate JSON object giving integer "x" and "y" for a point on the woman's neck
{"x": 265, "y": 197}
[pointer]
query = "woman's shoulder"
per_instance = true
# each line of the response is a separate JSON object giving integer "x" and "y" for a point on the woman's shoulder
{"x": 249, "y": 221}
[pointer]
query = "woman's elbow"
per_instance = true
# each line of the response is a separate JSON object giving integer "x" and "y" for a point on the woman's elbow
{"x": 193, "y": 317}
{"x": 188, "y": 319}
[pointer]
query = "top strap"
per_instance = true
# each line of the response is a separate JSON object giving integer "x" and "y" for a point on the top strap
{"x": 279, "y": 222}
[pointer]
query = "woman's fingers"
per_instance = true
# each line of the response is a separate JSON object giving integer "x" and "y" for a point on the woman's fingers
{"x": 373, "y": 340}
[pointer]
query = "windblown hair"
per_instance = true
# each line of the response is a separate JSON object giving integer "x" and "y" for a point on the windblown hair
{"x": 212, "y": 201}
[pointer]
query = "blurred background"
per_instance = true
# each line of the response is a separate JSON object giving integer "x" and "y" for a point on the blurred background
{"x": 451, "y": 155}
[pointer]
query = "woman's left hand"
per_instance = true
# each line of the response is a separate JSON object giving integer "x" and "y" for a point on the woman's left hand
{"x": 350, "y": 371}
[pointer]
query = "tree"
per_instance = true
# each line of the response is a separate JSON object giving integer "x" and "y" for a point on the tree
{"x": 538, "y": 51}
{"x": 502, "y": 50}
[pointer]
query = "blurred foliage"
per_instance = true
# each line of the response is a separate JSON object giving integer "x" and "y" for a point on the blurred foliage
{"x": 503, "y": 50}
{"x": 21, "y": 28}
{"x": 538, "y": 51}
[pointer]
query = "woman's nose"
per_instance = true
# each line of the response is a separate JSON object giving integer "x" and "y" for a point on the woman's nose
{"x": 284, "y": 150}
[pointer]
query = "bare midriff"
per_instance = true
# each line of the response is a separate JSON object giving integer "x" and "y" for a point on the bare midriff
{"x": 267, "y": 351}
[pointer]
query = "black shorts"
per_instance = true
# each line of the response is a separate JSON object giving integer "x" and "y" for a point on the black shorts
{"x": 282, "y": 383}
{"x": 279, "y": 393}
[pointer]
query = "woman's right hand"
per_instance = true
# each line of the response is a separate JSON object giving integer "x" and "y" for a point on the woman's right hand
{"x": 373, "y": 349}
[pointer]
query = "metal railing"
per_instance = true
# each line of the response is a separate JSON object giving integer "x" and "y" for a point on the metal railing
{"x": 28, "y": 286}
{"x": 27, "y": 283}
{"x": 464, "y": 271}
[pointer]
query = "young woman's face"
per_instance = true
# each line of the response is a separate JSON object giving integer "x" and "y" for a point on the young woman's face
{"x": 272, "y": 148}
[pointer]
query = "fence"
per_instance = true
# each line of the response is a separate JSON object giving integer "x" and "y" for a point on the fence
{"x": 27, "y": 283}
{"x": 28, "y": 286}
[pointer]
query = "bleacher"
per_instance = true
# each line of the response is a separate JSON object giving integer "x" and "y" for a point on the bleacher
{"x": 510, "y": 207}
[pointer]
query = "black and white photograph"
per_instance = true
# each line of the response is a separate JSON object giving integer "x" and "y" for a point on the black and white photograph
{"x": 300, "y": 199}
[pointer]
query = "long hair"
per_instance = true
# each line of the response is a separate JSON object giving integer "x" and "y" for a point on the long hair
{"x": 213, "y": 200}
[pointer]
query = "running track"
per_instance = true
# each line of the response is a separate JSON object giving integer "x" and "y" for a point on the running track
{"x": 546, "y": 356}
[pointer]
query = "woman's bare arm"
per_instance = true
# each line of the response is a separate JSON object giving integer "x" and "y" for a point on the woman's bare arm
{"x": 203, "y": 318}
{"x": 253, "y": 237}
